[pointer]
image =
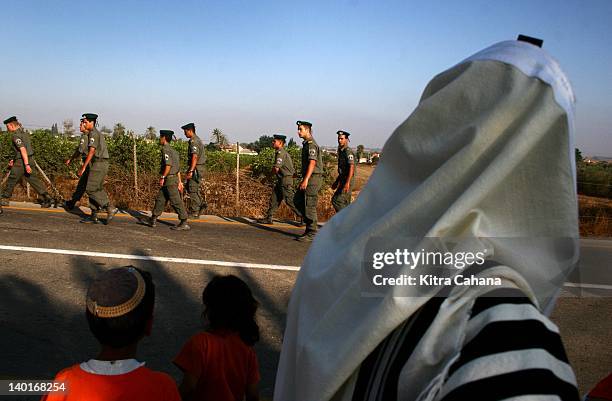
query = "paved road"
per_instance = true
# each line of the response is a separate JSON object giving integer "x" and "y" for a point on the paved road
{"x": 42, "y": 327}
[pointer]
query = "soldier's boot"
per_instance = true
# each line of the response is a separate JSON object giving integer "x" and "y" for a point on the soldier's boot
{"x": 4, "y": 202}
{"x": 91, "y": 219}
{"x": 111, "y": 212}
{"x": 182, "y": 226}
{"x": 70, "y": 204}
{"x": 265, "y": 220}
{"x": 308, "y": 236}
{"x": 152, "y": 221}
{"x": 46, "y": 201}
{"x": 203, "y": 208}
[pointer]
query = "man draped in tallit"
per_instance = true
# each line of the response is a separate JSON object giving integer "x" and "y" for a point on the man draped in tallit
{"x": 487, "y": 156}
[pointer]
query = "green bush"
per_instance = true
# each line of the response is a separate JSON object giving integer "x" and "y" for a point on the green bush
{"x": 51, "y": 152}
{"x": 264, "y": 161}
{"x": 595, "y": 179}
{"x": 262, "y": 164}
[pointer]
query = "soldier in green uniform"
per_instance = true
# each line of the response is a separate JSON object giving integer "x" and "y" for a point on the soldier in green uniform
{"x": 80, "y": 152}
{"x": 20, "y": 164}
{"x": 308, "y": 191}
{"x": 170, "y": 183}
{"x": 98, "y": 158}
{"x": 196, "y": 159}
{"x": 283, "y": 188}
{"x": 346, "y": 173}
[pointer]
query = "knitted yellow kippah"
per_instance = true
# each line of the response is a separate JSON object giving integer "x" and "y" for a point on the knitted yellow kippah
{"x": 122, "y": 309}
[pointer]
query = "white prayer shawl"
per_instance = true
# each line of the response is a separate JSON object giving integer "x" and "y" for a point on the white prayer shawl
{"x": 487, "y": 153}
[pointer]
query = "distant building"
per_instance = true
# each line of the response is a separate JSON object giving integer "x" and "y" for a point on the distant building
{"x": 231, "y": 148}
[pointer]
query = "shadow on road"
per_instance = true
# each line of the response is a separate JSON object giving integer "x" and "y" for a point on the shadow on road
{"x": 261, "y": 226}
{"x": 44, "y": 330}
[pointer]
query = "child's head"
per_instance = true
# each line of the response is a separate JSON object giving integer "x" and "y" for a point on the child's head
{"x": 120, "y": 306}
{"x": 229, "y": 304}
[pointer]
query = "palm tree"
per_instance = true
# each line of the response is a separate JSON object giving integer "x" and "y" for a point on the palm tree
{"x": 118, "y": 130}
{"x": 220, "y": 138}
{"x": 151, "y": 133}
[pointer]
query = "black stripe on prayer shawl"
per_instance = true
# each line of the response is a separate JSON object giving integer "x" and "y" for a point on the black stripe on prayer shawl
{"x": 510, "y": 335}
{"x": 520, "y": 383}
{"x": 498, "y": 296}
{"x": 378, "y": 375}
{"x": 413, "y": 330}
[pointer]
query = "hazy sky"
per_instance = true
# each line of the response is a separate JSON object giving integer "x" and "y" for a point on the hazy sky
{"x": 254, "y": 67}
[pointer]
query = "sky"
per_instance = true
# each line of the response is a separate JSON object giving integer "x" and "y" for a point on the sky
{"x": 254, "y": 68}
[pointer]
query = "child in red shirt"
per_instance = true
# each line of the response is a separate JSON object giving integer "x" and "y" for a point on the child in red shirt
{"x": 220, "y": 364}
{"x": 120, "y": 313}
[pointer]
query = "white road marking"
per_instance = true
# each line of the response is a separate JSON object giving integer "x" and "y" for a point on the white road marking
{"x": 207, "y": 262}
{"x": 150, "y": 258}
{"x": 589, "y": 286}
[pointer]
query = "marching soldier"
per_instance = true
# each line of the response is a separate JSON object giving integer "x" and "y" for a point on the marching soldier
{"x": 346, "y": 173}
{"x": 312, "y": 168}
{"x": 20, "y": 164}
{"x": 98, "y": 158}
{"x": 196, "y": 159}
{"x": 283, "y": 188}
{"x": 170, "y": 183}
{"x": 80, "y": 151}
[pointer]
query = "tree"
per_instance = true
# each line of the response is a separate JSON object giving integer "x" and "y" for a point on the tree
{"x": 360, "y": 150}
{"x": 264, "y": 141}
{"x": 118, "y": 130}
{"x": 291, "y": 144}
{"x": 578, "y": 156}
{"x": 151, "y": 133}
{"x": 68, "y": 127}
{"x": 212, "y": 147}
{"x": 220, "y": 138}
{"x": 106, "y": 130}
{"x": 54, "y": 130}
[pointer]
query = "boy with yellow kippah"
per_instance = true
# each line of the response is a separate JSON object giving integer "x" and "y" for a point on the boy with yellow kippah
{"x": 120, "y": 313}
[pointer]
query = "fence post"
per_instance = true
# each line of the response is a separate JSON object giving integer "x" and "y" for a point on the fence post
{"x": 237, "y": 178}
{"x": 135, "y": 166}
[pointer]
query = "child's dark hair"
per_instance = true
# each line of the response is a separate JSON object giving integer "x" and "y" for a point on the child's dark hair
{"x": 112, "y": 288}
{"x": 229, "y": 304}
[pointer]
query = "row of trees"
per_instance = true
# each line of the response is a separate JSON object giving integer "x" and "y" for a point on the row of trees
{"x": 594, "y": 179}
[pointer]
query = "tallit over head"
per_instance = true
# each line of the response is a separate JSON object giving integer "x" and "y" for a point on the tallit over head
{"x": 488, "y": 154}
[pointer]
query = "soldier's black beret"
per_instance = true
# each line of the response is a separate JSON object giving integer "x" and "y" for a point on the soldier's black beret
{"x": 168, "y": 134}
{"x": 90, "y": 116}
{"x": 306, "y": 123}
{"x": 11, "y": 119}
{"x": 281, "y": 137}
{"x": 190, "y": 126}
{"x": 346, "y": 134}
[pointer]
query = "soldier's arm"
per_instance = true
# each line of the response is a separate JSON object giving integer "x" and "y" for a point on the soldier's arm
{"x": 310, "y": 169}
{"x": 194, "y": 162}
{"x": 278, "y": 162}
{"x": 24, "y": 156}
{"x": 351, "y": 172}
{"x": 90, "y": 155}
{"x": 180, "y": 182}
{"x": 165, "y": 173}
{"x": 73, "y": 156}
